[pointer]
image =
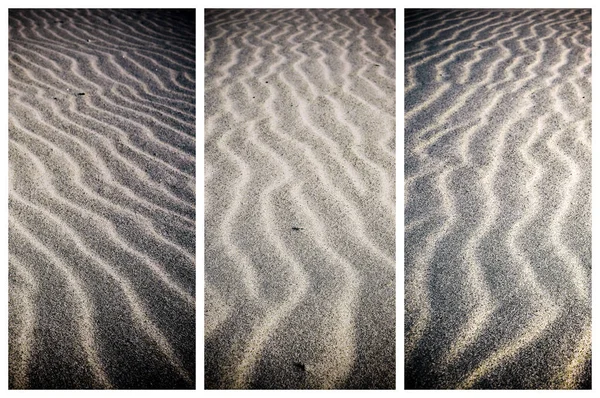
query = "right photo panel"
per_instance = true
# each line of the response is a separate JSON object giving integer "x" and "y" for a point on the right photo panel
{"x": 497, "y": 198}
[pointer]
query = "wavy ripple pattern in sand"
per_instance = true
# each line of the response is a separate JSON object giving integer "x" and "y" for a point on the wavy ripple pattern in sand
{"x": 497, "y": 124}
{"x": 300, "y": 199}
{"x": 102, "y": 199}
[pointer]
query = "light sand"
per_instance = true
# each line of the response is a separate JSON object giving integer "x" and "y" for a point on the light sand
{"x": 497, "y": 199}
{"x": 102, "y": 199}
{"x": 300, "y": 199}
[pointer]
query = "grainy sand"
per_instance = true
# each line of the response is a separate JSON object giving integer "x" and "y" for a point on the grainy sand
{"x": 102, "y": 199}
{"x": 497, "y": 199}
{"x": 300, "y": 199}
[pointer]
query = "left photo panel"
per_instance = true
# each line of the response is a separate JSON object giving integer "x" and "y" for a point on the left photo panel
{"x": 102, "y": 204}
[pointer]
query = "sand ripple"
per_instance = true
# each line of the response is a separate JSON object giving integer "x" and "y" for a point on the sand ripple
{"x": 102, "y": 201}
{"x": 300, "y": 199}
{"x": 497, "y": 199}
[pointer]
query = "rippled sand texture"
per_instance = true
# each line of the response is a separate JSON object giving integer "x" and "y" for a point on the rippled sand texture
{"x": 102, "y": 202}
{"x": 300, "y": 219}
{"x": 497, "y": 199}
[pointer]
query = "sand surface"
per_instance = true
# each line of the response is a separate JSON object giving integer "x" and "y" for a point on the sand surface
{"x": 497, "y": 199}
{"x": 300, "y": 199}
{"x": 102, "y": 199}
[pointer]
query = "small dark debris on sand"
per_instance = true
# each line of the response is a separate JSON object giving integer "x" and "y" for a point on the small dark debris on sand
{"x": 300, "y": 366}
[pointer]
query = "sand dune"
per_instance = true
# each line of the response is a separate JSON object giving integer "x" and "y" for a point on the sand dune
{"x": 497, "y": 199}
{"x": 102, "y": 199}
{"x": 300, "y": 199}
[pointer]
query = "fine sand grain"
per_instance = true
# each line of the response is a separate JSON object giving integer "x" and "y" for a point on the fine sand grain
{"x": 300, "y": 199}
{"x": 497, "y": 199}
{"x": 102, "y": 199}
